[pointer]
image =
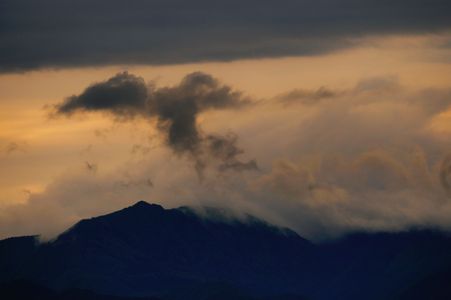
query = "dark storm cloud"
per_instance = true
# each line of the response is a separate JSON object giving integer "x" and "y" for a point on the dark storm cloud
{"x": 225, "y": 148}
{"x": 175, "y": 108}
{"x": 124, "y": 94}
{"x": 65, "y": 33}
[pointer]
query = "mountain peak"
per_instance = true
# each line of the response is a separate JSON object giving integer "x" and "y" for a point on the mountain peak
{"x": 144, "y": 204}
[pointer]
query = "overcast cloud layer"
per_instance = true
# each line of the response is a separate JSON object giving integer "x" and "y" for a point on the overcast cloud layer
{"x": 74, "y": 33}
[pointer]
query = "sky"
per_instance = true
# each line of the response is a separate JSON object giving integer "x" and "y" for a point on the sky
{"x": 324, "y": 116}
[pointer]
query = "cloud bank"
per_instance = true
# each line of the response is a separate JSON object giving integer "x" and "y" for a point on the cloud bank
{"x": 69, "y": 33}
{"x": 372, "y": 157}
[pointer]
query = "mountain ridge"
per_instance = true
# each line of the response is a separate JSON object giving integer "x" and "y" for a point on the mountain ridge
{"x": 145, "y": 250}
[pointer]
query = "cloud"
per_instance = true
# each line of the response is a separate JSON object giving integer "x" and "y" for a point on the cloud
{"x": 307, "y": 97}
{"x": 13, "y": 147}
{"x": 55, "y": 34}
{"x": 176, "y": 110}
{"x": 445, "y": 174}
{"x": 365, "y": 158}
{"x": 124, "y": 94}
{"x": 69, "y": 198}
{"x": 367, "y": 88}
{"x": 373, "y": 191}
{"x": 225, "y": 148}
{"x": 91, "y": 167}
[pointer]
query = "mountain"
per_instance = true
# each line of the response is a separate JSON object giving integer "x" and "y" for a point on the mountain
{"x": 148, "y": 251}
{"x": 381, "y": 265}
{"x": 19, "y": 290}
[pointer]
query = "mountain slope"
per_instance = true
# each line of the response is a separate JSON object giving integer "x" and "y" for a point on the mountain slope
{"x": 380, "y": 265}
{"x": 146, "y": 250}
{"x": 14, "y": 253}
{"x": 21, "y": 290}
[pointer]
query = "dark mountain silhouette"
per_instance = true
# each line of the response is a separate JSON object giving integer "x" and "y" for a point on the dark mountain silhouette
{"x": 381, "y": 265}
{"x": 148, "y": 251}
{"x": 436, "y": 286}
{"x": 18, "y": 290}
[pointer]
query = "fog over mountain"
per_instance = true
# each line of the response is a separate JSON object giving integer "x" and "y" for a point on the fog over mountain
{"x": 147, "y": 251}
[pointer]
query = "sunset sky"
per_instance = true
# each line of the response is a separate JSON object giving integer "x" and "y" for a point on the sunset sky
{"x": 325, "y": 116}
